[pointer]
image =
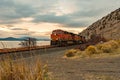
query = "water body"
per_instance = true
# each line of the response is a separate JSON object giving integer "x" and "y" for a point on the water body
{"x": 15, "y": 44}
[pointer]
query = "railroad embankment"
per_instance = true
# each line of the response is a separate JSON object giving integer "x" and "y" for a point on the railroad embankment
{"x": 106, "y": 49}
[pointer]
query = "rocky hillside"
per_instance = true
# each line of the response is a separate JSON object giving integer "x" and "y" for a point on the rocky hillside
{"x": 107, "y": 27}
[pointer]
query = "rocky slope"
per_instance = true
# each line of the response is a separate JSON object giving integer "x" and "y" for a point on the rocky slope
{"x": 107, "y": 27}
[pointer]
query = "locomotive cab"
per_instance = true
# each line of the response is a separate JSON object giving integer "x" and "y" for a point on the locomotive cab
{"x": 57, "y": 37}
{"x": 64, "y": 38}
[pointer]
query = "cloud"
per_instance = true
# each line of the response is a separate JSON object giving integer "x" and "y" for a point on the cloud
{"x": 12, "y": 12}
{"x": 65, "y": 20}
{"x": 84, "y": 13}
{"x": 17, "y": 16}
{"x": 4, "y": 34}
{"x": 19, "y": 29}
{"x": 24, "y": 33}
{"x": 61, "y": 11}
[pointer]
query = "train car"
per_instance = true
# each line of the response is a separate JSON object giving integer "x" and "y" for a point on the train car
{"x": 77, "y": 39}
{"x": 64, "y": 38}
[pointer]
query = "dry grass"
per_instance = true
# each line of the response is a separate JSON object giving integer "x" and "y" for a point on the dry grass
{"x": 114, "y": 44}
{"x": 72, "y": 52}
{"x": 118, "y": 41}
{"x": 106, "y": 49}
{"x": 90, "y": 50}
{"x": 21, "y": 70}
{"x": 10, "y": 70}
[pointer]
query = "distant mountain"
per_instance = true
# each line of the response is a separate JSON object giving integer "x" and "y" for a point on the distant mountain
{"x": 10, "y": 39}
{"x": 107, "y": 27}
{"x": 38, "y": 39}
{"x": 43, "y": 39}
{"x": 20, "y": 39}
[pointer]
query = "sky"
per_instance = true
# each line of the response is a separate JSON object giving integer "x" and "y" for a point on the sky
{"x": 38, "y": 18}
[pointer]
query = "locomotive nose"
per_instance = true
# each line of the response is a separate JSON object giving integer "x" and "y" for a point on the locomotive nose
{"x": 60, "y": 37}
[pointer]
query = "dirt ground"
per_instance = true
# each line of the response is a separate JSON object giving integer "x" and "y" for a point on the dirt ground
{"x": 76, "y": 69}
{"x": 82, "y": 69}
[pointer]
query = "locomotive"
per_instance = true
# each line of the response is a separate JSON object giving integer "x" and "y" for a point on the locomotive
{"x": 63, "y": 38}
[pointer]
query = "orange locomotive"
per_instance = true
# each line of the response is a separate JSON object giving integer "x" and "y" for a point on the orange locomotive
{"x": 63, "y": 38}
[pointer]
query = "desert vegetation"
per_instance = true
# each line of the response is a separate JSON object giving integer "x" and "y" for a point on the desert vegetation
{"x": 101, "y": 49}
{"x": 23, "y": 70}
{"x": 72, "y": 52}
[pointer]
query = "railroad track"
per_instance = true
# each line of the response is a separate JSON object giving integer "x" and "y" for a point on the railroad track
{"x": 21, "y": 49}
{"x": 30, "y": 53}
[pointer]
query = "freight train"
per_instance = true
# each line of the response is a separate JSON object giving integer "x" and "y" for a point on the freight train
{"x": 64, "y": 38}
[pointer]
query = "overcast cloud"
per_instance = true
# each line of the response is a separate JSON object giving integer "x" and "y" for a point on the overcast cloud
{"x": 22, "y": 14}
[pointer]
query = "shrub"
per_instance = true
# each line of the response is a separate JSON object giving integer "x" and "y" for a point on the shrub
{"x": 10, "y": 70}
{"x": 118, "y": 41}
{"x": 71, "y": 53}
{"x": 91, "y": 50}
{"x": 99, "y": 46}
{"x": 114, "y": 44}
{"x": 106, "y": 48}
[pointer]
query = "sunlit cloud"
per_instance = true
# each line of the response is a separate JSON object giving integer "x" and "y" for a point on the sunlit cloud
{"x": 65, "y": 7}
{"x": 28, "y": 19}
{"x": 19, "y": 18}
